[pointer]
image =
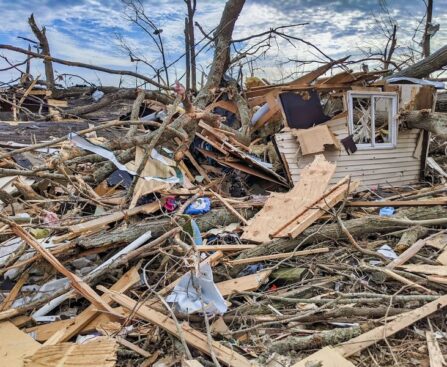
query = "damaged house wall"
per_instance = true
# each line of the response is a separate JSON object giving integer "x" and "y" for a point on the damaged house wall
{"x": 397, "y": 166}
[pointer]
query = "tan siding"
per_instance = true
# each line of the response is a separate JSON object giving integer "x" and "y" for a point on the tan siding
{"x": 399, "y": 166}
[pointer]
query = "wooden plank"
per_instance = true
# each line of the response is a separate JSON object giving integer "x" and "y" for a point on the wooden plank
{"x": 132, "y": 346}
{"x": 130, "y": 278}
{"x": 191, "y": 363}
{"x": 229, "y": 207}
{"x": 100, "y": 352}
{"x": 192, "y": 337}
{"x": 243, "y": 284}
{"x": 434, "y": 352}
{"x": 402, "y": 321}
{"x": 437, "y": 279}
{"x": 316, "y": 139}
{"x": 10, "y": 298}
{"x": 397, "y": 203}
{"x": 196, "y": 165}
{"x": 77, "y": 283}
{"x": 15, "y": 345}
{"x": 43, "y": 332}
{"x": 284, "y": 255}
{"x": 224, "y": 248}
{"x": 281, "y": 208}
{"x": 404, "y": 280}
{"x": 214, "y": 144}
{"x": 113, "y": 217}
{"x": 409, "y": 252}
{"x": 317, "y": 209}
{"x": 326, "y": 357}
{"x": 442, "y": 258}
{"x": 440, "y": 270}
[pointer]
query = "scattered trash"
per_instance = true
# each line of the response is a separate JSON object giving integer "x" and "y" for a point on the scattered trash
{"x": 199, "y": 206}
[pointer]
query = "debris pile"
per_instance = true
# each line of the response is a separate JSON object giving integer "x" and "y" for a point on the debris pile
{"x": 278, "y": 225}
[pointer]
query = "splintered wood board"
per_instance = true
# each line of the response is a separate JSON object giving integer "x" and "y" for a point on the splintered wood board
{"x": 316, "y": 210}
{"x": 243, "y": 284}
{"x": 326, "y": 357}
{"x": 440, "y": 270}
{"x": 280, "y": 208}
{"x": 100, "y": 352}
{"x": 363, "y": 341}
{"x": 193, "y": 337}
{"x": 15, "y": 345}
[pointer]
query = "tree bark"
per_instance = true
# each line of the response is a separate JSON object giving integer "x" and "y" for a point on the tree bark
{"x": 434, "y": 122}
{"x": 216, "y": 217}
{"x": 427, "y": 36}
{"x": 41, "y": 36}
{"x": 357, "y": 228}
{"x": 425, "y": 67}
{"x": 113, "y": 97}
{"x": 86, "y": 66}
{"x": 191, "y": 5}
{"x": 221, "y": 58}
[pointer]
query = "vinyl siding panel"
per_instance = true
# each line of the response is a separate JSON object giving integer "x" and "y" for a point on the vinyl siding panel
{"x": 397, "y": 167}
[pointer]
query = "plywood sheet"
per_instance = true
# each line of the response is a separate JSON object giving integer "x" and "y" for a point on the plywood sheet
{"x": 281, "y": 208}
{"x": 15, "y": 345}
{"x": 100, "y": 352}
{"x": 316, "y": 139}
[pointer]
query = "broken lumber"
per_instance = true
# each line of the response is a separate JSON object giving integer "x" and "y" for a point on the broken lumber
{"x": 281, "y": 208}
{"x": 193, "y": 337}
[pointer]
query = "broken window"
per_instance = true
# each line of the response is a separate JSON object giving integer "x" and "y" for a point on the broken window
{"x": 372, "y": 119}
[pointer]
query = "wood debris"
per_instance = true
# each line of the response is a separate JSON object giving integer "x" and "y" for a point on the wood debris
{"x": 300, "y": 221}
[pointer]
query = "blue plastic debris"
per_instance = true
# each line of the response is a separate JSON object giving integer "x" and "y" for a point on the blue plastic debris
{"x": 199, "y": 206}
{"x": 386, "y": 211}
{"x": 196, "y": 235}
{"x": 251, "y": 269}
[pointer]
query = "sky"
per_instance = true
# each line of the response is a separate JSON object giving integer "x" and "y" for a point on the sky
{"x": 89, "y": 31}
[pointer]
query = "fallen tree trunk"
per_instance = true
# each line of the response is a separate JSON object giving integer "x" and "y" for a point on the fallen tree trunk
{"x": 434, "y": 122}
{"x": 357, "y": 228}
{"x": 108, "y": 99}
{"x": 425, "y": 67}
{"x": 217, "y": 217}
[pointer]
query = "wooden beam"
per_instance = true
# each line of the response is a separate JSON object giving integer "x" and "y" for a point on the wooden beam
{"x": 230, "y": 208}
{"x": 77, "y": 283}
{"x": 397, "y": 203}
{"x": 113, "y": 217}
{"x": 402, "y": 321}
{"x": 129, "y": 279}
{"x": 192, "y": 337}
{"x": 285, "y": 255}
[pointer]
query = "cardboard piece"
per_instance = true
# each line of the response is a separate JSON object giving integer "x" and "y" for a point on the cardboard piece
{"x": 316, "y": 139}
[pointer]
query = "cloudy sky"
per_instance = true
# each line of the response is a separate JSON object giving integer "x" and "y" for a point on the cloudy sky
{"x": 88, "y": 31}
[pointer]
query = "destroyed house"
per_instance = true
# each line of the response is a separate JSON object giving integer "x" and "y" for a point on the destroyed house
{"x": 365, "y": 137}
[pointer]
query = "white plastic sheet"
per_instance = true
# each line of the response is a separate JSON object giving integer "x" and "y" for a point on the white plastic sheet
{"x": 107, "y": 154}
{"x": 187, "y": 300}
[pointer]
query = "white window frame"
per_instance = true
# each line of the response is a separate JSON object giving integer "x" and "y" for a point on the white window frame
{"x": 393, "y": 122}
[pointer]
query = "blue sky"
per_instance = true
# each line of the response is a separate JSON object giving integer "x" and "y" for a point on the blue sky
{"x": 85, "y": 30}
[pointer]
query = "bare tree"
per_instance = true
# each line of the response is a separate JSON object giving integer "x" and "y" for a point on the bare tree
{"x": 190, "y": 42}
{"x": 222, "y": 42}
{"x": 42, "y": 38}
{"x": 136, "y": 14}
